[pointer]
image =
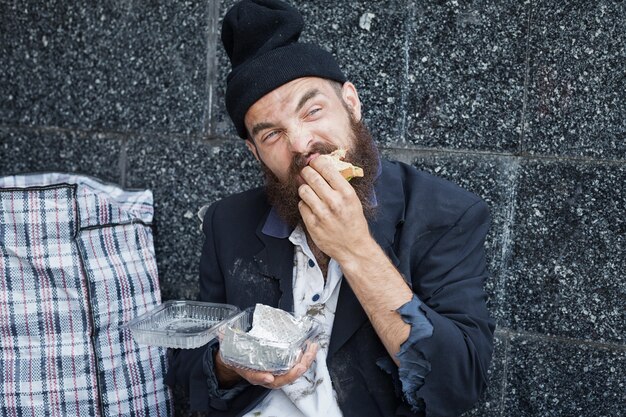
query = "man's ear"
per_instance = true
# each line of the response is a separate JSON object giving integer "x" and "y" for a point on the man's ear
{"x": 351, "y": 98}
{"x": 252, "y": 148}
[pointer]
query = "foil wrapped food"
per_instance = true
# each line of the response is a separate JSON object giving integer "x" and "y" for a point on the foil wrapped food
{"x": 267, "y": 339}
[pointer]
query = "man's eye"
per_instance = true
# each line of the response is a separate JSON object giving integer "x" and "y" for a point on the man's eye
{"x": 315, "y": 110}
{"x": 271, "y": 135}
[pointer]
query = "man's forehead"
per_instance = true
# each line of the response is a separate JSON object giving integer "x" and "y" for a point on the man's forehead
{"x": 289, "y": 96}
{"x": 294, "y": 89}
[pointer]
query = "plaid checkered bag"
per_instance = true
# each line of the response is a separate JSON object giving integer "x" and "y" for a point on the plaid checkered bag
{"x": 76, "y": 262}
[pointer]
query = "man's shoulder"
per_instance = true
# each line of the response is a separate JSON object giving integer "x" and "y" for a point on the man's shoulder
{"x": 253, "y": 196}
{"x": 428, "y": 193}
{"x": 421, "y": 181}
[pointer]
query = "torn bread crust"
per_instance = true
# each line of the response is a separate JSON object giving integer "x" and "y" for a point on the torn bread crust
{"x": 346, "y": 169}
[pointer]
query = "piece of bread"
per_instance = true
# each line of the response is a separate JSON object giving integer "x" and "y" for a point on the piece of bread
{"x": 346, "y": 169}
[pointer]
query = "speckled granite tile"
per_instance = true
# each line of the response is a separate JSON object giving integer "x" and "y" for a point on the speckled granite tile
{"x": 567, "y": 263}
{"x": 494, "y": 179}
{"x": 561, "y": 379}
{"x": 577, "y": 86}
{"x": 368, "y": 40}
{"x": 185, "y": 175}
{"x": 30, "y": 150}
{"x": 466, "y": 74}
{"x": 108, "y": 66}
{"x": 490, "y": 404}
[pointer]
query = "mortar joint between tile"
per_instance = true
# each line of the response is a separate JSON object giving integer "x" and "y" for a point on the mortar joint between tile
{"x": 416, "y": 150}
{"x": 505, "y": 369}
{"x": 211, "y": 65}
{"x": 113, "y": 134}
{"x": 123, "y": 161}
{"x": 409, "y": 24}
{"x": 564, "y": 340}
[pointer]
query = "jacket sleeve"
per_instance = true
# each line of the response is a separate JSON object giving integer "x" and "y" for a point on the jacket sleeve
{"x": 186, "y": 366}
{"x": 193, "y": 369}
{"x": 448, "y": 277}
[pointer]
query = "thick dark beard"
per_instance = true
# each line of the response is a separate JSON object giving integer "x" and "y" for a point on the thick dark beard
{"x": 284, "y": 196}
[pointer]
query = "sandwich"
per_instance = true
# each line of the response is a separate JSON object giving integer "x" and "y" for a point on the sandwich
{"x": 346, "y": 169}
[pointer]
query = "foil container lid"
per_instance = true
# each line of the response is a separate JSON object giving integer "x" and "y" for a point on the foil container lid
{"x": 180, "y": 324}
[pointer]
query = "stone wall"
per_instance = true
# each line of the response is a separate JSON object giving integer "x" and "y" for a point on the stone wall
{"x": 522, "y": 102}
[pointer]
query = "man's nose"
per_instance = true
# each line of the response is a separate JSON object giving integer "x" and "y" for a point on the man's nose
{"x": 300, "y": 140}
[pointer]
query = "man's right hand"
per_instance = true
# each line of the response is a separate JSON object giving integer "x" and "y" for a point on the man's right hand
{"x": 228, "y": 375}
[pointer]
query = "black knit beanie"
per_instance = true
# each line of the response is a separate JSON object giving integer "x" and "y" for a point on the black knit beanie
{"x": 261, "y": 39}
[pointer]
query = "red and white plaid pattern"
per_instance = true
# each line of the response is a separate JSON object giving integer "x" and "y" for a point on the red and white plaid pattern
{"x": 75, "y": 264}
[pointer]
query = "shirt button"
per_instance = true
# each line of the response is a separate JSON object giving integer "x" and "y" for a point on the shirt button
{"x": 311, "y": 263}
{"x": 316, "y": 297}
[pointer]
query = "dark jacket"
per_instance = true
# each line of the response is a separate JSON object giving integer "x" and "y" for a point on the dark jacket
{"x": 432, "y": 230}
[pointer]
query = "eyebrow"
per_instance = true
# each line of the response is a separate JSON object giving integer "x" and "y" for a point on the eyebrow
{"x": 303, "y": 100}
{"x": 306, "y": 97}
{"x": 260, "y": 126}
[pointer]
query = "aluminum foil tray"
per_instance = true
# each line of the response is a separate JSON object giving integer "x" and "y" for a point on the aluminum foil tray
{"x": 180, "y": 324}
{"x": 270, "y": 340}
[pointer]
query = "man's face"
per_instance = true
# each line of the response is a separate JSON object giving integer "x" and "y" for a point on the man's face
{"x": 324, "y": 121}
{"x": 301, "y": 117}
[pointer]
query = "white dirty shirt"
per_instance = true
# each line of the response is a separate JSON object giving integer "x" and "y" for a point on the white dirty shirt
{"x": 312, "y": 394}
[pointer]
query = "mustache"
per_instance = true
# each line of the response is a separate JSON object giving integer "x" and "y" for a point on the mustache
{"x": 299, "y": 161}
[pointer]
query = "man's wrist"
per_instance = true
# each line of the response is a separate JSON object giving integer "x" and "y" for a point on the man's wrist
{"x": 226, "y": 376}
{"x": 368, "y": 251}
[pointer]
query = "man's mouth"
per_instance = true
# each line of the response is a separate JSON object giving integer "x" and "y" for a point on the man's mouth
{"x": 303, "y": 160}
{"x": 311, "y": 157}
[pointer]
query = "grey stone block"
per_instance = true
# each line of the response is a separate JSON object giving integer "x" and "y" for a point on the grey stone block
{"x": 185, "y": 175}
{"x": 491, "y": 177}
{"x": 556, "y": 378}
{"x": 569, "y": 238}
{"x": 31, "y": 150}
{"x": 369, "y": 41}
{"x": 466, "y": 74}
{"x": 116, "y": 66}
{"x": 577, "y": 86}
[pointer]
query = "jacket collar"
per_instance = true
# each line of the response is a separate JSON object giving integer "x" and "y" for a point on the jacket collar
{"x": 275, "y": 260}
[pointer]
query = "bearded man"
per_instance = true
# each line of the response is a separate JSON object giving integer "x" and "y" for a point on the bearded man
{"x": 392, "y": 264}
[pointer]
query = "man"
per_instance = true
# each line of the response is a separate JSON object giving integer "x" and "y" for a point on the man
{"x": 392, "y": 264}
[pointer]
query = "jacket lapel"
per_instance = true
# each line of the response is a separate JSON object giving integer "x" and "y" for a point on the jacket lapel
{"x": 349, "y": 316}
{"x": 275, "y": 260}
